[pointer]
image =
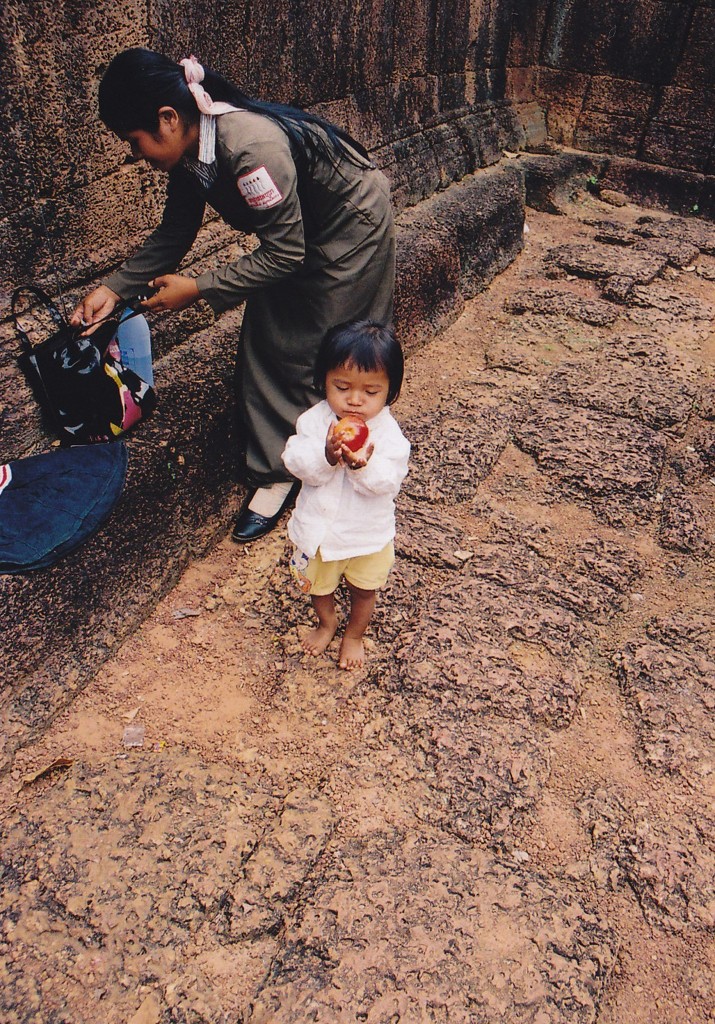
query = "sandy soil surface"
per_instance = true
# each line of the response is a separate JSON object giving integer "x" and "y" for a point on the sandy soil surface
{"x": 508, "y": 815}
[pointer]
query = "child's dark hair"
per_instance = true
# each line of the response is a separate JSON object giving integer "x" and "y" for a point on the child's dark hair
{"x": 365, "y": 344}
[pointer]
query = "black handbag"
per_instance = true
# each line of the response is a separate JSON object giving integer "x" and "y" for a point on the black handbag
{"x": 79, "y": 380}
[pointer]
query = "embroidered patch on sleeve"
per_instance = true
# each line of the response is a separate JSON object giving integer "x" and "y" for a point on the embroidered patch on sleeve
{"x": 259, "y": 190}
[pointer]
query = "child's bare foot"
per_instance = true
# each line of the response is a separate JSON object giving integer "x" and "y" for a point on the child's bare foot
{"x": 352, "y": 652}
{"x": 317, "y": 640}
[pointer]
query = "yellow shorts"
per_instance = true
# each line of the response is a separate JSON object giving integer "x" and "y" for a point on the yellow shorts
{"x": 367, "y": 572}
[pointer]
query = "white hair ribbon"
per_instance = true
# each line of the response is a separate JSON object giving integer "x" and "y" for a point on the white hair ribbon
{"x": 194, "y": 74}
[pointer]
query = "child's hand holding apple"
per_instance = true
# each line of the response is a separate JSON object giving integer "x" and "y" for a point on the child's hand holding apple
{"x": 347, "y": 442}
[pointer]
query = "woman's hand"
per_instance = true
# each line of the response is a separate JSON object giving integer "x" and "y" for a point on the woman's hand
{"x": 174, "y": 291}
{"x": 94, "y": 306}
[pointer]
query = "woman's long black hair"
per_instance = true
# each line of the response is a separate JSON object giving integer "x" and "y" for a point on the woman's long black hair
{"x": 138, "y": 82}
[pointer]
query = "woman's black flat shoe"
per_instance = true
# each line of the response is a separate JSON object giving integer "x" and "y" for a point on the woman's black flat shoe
{"x": 251, "y": 525}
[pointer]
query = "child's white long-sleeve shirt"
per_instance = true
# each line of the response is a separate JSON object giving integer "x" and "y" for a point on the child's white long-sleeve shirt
{"x": 344, "y": 512}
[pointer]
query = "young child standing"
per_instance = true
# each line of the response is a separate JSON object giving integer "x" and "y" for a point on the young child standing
{"x": 343, "y": 524}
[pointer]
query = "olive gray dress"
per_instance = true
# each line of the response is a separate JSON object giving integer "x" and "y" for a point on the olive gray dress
{"x": 326, "y": 256}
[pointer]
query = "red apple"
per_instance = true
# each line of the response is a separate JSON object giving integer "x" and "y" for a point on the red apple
{"x": 352, "y": 432}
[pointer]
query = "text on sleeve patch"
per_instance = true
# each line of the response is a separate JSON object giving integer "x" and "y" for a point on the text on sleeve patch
{"x": 259, "y": 190}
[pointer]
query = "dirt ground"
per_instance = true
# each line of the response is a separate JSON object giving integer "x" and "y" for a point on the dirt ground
{"x": 508, "y": 815}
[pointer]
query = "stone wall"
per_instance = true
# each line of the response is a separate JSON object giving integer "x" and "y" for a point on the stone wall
{"x": 635, "y": 79}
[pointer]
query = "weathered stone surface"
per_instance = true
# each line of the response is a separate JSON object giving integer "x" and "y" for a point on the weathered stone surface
{"x": 539, "y": 579}
{"x": 662, "y": 188}
{"x": 562, "y": 303}
{"x": 669, "y": 679}
{"x": 614, "y": 41}
{"x": 691, "y": 231}
{"x": 136, "y": 860}
{"x": 669, "y": 865}
{"x": 613, "y": 198}
{"x": 610, "y": 826}
{"x": 495, "y": 675}
{"x": 687, "y": 465}
{"x": 561, "y": 93}
{"x": 700, "y": 41}
{"x": 486, "y": 215}
{"x": 273, "y": 874}
{"x": 678, "y": 253}
{"x": 463, "y": 649}
{"x": 673, "y": 715}
{"x": 706, "y": 404}
{"x": 596, "y": 455}
{"x": 684, "y": 116}
{"x": 610, "y": 563}
{"x": 681, "y": 526}
{"x": 646, "y": 351}
{"x": 611, "y": 232}
{"x": 600, "y": 261}
{"x": 421, "y": 312}
{"x": 671, "y": 868}
{"x": 484, "y": 661}
{"x": 653, "y": 397}
{"x": 489, "y": 772}
{"x": 704, "y": 440}
{"x": 428, "y": 536}
{"x": 678, "y": 146}
{"x": 408, "y": 586}
{"x": 549, "y": 179}
{"x": 455, "y": 447}
{"x": 386, "y": 928}
{"x": 671, "y": 306}
{"x": 618, "y": 288}
{"x": 706, "y": 270}
{"x": 685, "y": 631}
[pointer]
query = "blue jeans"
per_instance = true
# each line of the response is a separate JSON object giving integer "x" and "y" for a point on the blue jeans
{"x": 51, "y": 503}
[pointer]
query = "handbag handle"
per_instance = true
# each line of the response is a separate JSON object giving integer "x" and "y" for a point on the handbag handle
{"x": 45, "y": 300}
{"x": 60, "y": 321}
